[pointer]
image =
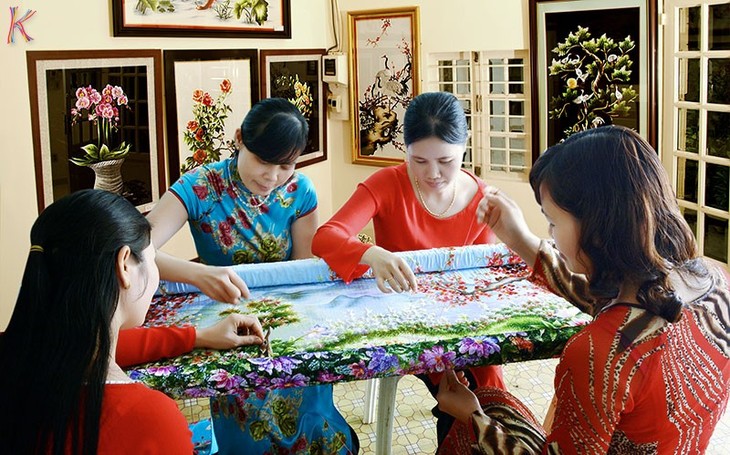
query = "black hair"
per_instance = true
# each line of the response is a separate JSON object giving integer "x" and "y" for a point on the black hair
{"x": 55, "y": 352}
{"x": 435, "y": 114}
{"x": 612, "y": 181}
{"x": 275, "y": 131}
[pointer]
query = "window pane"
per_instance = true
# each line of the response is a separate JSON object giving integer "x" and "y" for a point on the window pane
{"x": 496, "y": 73}
{"x": 517, "y": 159}
{"x": 517, "y": 88}
{"x": 516, "y": 61}
{"x": 516, "y": 143}
{"x": 445, "y": 63}
{"x": 688, "y": 126}
{"x": 716, "y": 238}
{"x": 718, "y": 134}
{"x": 689, "y": 79}
{"x": 497, "y": 124}
{"x": 517, "y": 125}
{"x": 497, "y": 157}
{"x": 718, "y": 85}
{"x": 496, "y": 61}
{"x": 516, "y": 108}
{"x": 462, "y": 63}
{"x": 466, "y": 105}
{"x": 462, "y": 74}
{"x": 691, "y": 217}
{"x": 446, "y": 74}
{"x": 687, "y": 179}
{"x": 446, "y": 88}
{"x": 716, "y": 186}
{"x": 689, "y": 29}
{"x": 496, "y": 107}
{"x": 497, "y": 142}
{"x": 496, "y": 89}
{"x": 516, "y": 74}
{"x": 463, "y": 89}
{"x": 719, "y": 27}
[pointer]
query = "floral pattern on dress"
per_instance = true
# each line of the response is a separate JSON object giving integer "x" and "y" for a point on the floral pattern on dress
{"x": 230, "y": 225}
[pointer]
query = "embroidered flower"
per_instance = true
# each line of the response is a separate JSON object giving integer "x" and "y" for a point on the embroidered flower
{"x": 437, "y": 359}
{"x": 292, "y": 187}
{"x": 216, "y": 181}
{"x": 206, "y": 227}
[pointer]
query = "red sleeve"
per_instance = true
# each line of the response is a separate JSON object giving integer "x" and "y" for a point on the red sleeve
{"x": 141, "y": 345}
{"x": 336, "y": 240}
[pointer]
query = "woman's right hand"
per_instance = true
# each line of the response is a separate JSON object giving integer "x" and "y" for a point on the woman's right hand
{"x": 220, "y": 283}
{"x": 389, "y": 268}
{"x": 507, "y": 221}
{"x": 232, "y": 331}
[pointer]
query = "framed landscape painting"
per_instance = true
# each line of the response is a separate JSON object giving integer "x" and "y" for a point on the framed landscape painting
{"x": 203, "y": 18}
{"x": 295, "y": 74}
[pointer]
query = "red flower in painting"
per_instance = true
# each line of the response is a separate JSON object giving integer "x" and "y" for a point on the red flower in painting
{"x": 199, "y": 156}
{"x": 198, "y": 95}
{"x": 200, "y": 191}
{"x": 207, "y": 99}
{"x": 225, "y": 86}
{"x": 192, "y": 125}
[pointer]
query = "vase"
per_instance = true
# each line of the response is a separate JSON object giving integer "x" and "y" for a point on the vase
{"x": 108, "y": 175}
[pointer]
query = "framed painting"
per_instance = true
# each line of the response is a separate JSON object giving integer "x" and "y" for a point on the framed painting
{"x": 295, "y": 74}
{"x": 594, "y": 63}
{"x": 202, "y": 18}
{"x": 97, "y": 123}
{"x": 209, "y": 93}
{"x": 384, "y": 69}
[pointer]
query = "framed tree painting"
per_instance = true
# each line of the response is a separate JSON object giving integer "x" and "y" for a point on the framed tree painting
{"x": 295, "y": 74}
{"x": 384, "y": 69}
{"x": 203, "y": 18}
{"x": 209, "y": 93}
{"x": 594, "y": 63}
{"x": 97, "y": 123}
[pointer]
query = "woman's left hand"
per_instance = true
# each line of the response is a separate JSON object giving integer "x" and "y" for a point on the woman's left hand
{"x": 233, "y": 331}
{"x": 455, "y": 398}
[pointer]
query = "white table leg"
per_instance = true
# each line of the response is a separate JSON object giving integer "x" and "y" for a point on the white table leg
{"x": 371, "y": 396}
{"x": 386, "y": 408}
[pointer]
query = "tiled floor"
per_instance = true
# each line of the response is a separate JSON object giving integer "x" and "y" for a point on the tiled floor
{"x": 414, "y": 429}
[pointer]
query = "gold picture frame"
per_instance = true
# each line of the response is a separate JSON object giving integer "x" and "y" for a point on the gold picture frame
{"x": 384, "y": 77}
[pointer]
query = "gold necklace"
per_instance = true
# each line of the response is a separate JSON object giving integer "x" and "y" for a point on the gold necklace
{"x": 423, "y": 201}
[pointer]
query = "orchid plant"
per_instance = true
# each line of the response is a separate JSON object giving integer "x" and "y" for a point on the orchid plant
{"x": 102, "y": 110}
{"x": 595, "y": 76}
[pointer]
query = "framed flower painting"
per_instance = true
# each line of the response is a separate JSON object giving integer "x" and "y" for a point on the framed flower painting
{"x": 384, "y": 72}
{"x": 295, "y": 74}
{"x": 97, "y": 123}
{"x": 594, "y": 63}
{"x": 203, "y": 18}
{"x": 209, "y": 93}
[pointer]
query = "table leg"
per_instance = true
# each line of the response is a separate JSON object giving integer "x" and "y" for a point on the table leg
{"x": 371, "y": 395}
{"x": 386, "y": 408}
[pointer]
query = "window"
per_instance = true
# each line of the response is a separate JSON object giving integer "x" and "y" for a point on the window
{"x": 695, "y": 118}
{"x": 493, "y": 89}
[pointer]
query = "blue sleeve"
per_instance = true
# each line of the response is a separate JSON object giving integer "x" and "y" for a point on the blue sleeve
{"x": 306, "y": 196}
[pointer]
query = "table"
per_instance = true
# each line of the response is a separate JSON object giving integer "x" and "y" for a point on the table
{"x": 474, "y": 307}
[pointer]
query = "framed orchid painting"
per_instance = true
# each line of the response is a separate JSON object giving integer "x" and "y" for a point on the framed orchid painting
{"x": 203, "y": 18}
{"x": 209, "y": 93}
{"x": 384, "y": 72}
{"x": 97, "y": 123}
{"x": 594, "y": 63}
{"x": 295, "y": 74}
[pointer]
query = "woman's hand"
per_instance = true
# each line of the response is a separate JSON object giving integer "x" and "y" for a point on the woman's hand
{"x": 455, "y": 398}
{"x": 507, "y": 221}
{"x": 233, "y": 331}
{"x": 389, "y": 268}
{"x": 220, "y": 283}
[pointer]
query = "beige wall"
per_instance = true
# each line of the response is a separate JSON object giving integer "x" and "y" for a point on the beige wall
{"x": 83, "y": 24}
